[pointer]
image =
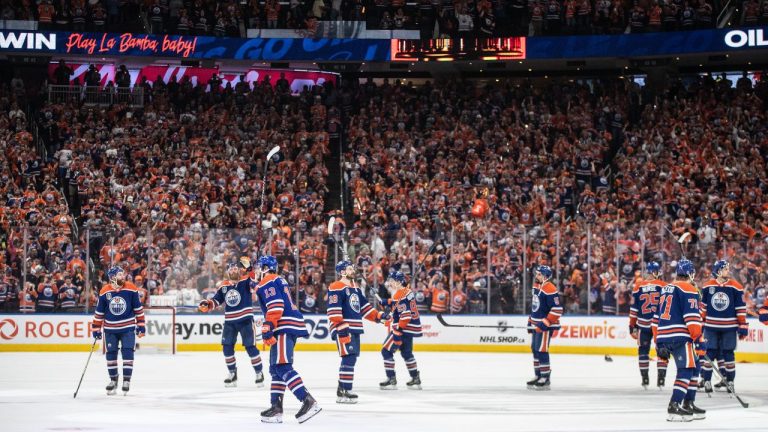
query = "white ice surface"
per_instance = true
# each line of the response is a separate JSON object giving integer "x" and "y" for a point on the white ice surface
{"x": 462, "y": 391}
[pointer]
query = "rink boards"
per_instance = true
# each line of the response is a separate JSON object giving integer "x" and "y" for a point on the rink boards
{"x": 579, "y": 335}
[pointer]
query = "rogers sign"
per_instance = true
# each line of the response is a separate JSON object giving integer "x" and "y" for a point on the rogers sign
{"x": 8, "y": 329}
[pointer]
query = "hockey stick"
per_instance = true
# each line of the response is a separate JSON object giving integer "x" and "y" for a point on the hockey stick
{"x": 728, "y": 384}
{"x": 85, "y": 368}
{"x": 500, "y": 326}
{"x": 343, "y": 247}
{"x": 270, "y": 155}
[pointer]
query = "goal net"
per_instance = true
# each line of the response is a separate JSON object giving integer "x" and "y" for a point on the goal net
{"x": 161, "y": 331}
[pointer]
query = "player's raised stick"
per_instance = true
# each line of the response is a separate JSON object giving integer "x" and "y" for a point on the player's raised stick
{"x": 270, "y": 155}
{"x": 343, "y": 247}
{"x": 85, "y": 368}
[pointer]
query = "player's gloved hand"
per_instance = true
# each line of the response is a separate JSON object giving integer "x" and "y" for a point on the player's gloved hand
{"x": 96, "y": 334}
{"x": 633, "y": 332}
{"x": 397, "y": 337}
{"x": 541, "y": 327}
{"x": 663, "y": 352}
{"x": 266, "y": 333}
{"x": 763, "y": 316}
{"x": 384, "y": 316}
{"x": 141, "y": 331}
{"x": 743, "y": 331}
{"x": 205, "y": 305}
{"x": 342, "y": 334}
{"x": 700, "y": 346}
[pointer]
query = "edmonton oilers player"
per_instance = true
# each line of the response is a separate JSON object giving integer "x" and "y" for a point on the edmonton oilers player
{"x": 235, "y": 294}
{"x": 544, "y": 319}
{"x": 347, "y": 306}
{"x": 283, "y": 324}
{"x": 645, "y": 300}
{"x": 405, "y": 326}
{"x": 763, "y": 313}
{"x": 676, "y": 329}
{"x": 119, "y": 311}
{"x": 725, "y": 316}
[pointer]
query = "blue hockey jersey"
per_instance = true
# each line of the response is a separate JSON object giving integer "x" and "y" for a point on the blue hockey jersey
{"x": 237, "y": 299}
{"x": 347, "y": 306}
{"x": 405, "y": 312}
{"x": 677, "y": 318}
{"x": 722, "y": 305}
{"x": 645, "y": 300}
{"x": 118, "y": 310}
{"x": 545, "y": 306}
{"x": 275, "y": 299}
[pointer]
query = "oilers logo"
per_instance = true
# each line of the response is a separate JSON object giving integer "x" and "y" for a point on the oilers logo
{"x": 720, "y": 301}
{"x": 535, "y": 303}
{"x": 354, "y": 302}
{"x": 309, "y": 302}
{"x": 232, "y": 298}
{"x": 419, "y": 296}
{"x": 47, "y": 291}
{"x": 117, "y": 306}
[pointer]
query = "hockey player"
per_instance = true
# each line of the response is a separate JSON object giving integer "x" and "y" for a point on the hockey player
{"x": 405, "y": 326}
{"x": 119, "y": 311}
{"x": 725, "y": 316}
{"x": 645, "y": 300}
{"x": 763, "y": 313}
{"x": 677, "y": 330}
{"x": 347, "y": 306}
{"x": 283, "y": 324}
{"x": 544, "y": 319}
{"x": 235, "y": 293}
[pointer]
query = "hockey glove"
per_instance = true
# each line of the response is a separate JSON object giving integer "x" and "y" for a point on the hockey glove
{"x": 141, "y": 331}
{"x": 633, "y": 332}
{"x": 342, "y": 334}
{"x": 97, "y": 334}
{"x": 384, "y": 316}
{"x": 206, "y": 306}
{"x": 266, "y": 333}
{"x": 397, "y": 337}
{"x": 700, "y": 346}
{"x": 743, "y": 331}
{"x": 763, "y": 317}
{"x": 541, "y": 327}
{"x": 663, "y": 352}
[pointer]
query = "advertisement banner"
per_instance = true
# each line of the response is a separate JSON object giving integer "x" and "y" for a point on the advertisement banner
{"x": 194, "y": 47}
{"x": 579, "y": 334}
{"x": 197, "y": 75}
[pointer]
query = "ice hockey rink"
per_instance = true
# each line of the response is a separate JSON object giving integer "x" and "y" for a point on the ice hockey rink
{"x": 485, "y": 391}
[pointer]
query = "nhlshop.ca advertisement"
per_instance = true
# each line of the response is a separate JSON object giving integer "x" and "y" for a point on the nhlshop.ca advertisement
{"x": 197, "y": 332}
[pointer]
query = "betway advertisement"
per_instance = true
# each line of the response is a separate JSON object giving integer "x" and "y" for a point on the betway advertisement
{"x": 578, "y": 335}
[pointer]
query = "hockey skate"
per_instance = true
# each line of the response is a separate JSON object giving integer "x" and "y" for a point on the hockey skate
{"x": 389, "y": 384}
{"x": 646, "y": 381}
{"x": 660, "y": 381}
{"x": 309, "y": 408}
{"x": 231, "y": 379}
{"x": 345, "y": 396}
{"x": 532, "y": 383}
{"x": 676, "y": 413}
{"x": 708, "y": 388}
{"x": 112, "y": 386}
{"x": 414, "y": 383}
{"x": 721, "y": 386}
{"x": 275, "y": 413}
{"x": 126, "y": 386}
{"x": 259, "y": 379}
{"x": 542, "y": 384}
{"x": 698, "y": 413}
